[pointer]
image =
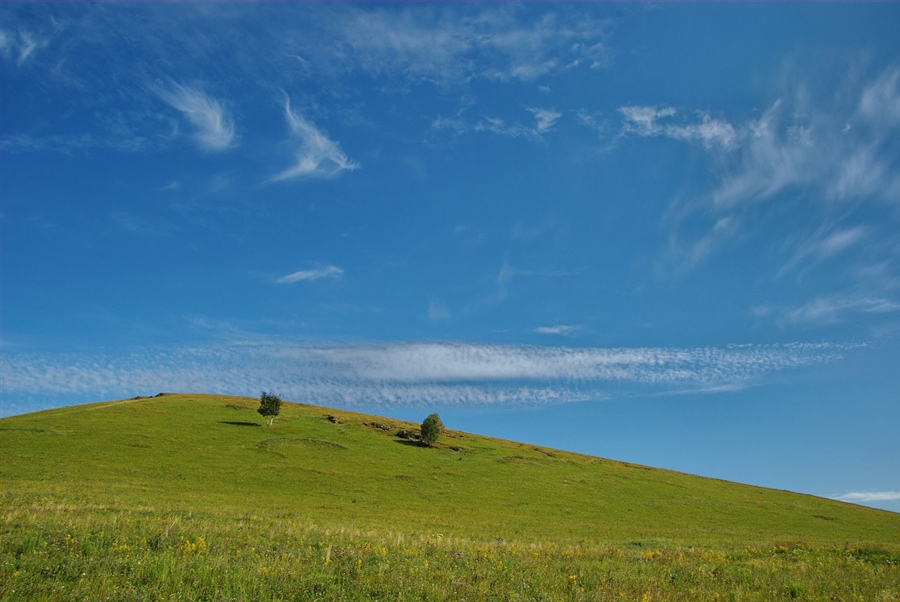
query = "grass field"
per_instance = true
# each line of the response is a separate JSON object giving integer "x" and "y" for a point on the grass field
{"x": 191, "y": 497}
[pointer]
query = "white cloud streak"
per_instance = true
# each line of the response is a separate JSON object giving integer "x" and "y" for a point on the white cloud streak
{"x": 879, "y": 104}
{"x": 214, "y": 126}
{"x": 415, "y": 374}
{"x": 498, "y": 126}
{"x": 867, "y": 497}
{"x": 507, "y": 273}
{"x": 784, "y": 149}
{"x": 690, "y": 255}
{"x": 774, "y": 158}
{"x": 830, "y": 309}
{"x": 546, "y": 118}
{"x": 448, "y": 47}
{"x": 20, "y": 48}
{"x": 330, "y": 271}
{"x": 832, "y": 167}
{"x": 565, "y": 330}
{"x": 711, "y": 133}
{"x": 643, "y": 121}
{"x": 824, "y": 245}
{"x": 448, "y": 362}
{"x": 317, "y": 155}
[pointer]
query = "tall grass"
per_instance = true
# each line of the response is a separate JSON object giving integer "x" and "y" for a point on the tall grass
{"x": 53, "y": 551}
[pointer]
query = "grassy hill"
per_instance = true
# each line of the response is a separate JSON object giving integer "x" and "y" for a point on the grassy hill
{"x": 163, "y": 484}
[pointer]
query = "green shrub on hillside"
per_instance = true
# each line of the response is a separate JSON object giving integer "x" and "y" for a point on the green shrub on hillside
{"x": 431, "y": 429}
{"x": 269, "y": 407}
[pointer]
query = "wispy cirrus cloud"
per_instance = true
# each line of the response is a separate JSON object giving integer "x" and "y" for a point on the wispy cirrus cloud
{"x": 544, "y": 120}
{"x": 453, "y": 46}
{"x": 653, "y": 121}
{"x": 833, "y": 162}
{"x": 508, "y": 273}
{"x": 414, "y": 374}
{"x": 21, "y": 46}
{"x": 688, "y": 255}
{"x": 329, "y": 271}
{"x": 867, "y": 497}
{"x": 566, "y": 330}
{"x": 830, "y": 309}
{"x": 879, "y": 103}
{"x": 841, "y": 156}
{"x": 495, "y": 125}
{"x": 317, "y": 155}
{"x": 823, "y": 245}
{"x": 213, "y": 125}
{"x": 644, "y": 121}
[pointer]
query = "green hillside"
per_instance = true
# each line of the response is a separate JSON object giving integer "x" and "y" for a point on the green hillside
{"x": 175, "y": 471}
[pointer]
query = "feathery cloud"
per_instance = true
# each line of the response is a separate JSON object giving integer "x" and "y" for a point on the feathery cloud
{"x": 20, "y": 48}
{"x": 447, "y": 47}
{"x": 214, "y": 126}
{"x": 317, "y": 155}
{"x": 832, "y": 309}
{"x": 645, "y": 121}
{"x": 495, "y": 125}
{"x": 594, "y": 122}
{"x": 689, "y": 255}
{"x": 824, "y": 245}
{"x": 780, "y": 150}
{"x": 565, "y": 330}
{"x": 835, "y": 158}
{"x": 330, "y": 271}
{"x": 545, "y": 119}
{"x": 507, "y": 272}
{"x": 879, "y": 103}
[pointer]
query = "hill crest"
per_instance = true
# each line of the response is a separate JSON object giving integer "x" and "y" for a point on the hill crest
{"x": 212, "y": 453}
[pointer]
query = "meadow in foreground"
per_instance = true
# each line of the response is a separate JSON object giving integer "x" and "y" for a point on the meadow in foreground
{"x": 55, "y": 552}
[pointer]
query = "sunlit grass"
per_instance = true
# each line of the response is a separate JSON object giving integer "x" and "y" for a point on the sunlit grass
{"x": 190, "y": 498}
{"x": 53, "y": 551}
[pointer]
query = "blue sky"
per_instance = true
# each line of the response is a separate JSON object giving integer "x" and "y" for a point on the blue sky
{"x": 663, "y": 234}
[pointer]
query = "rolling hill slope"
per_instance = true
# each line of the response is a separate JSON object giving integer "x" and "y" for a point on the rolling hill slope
{"x": 212, "y": 454}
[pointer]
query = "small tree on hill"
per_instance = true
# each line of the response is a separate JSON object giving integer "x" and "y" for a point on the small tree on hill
{"x": 431, "y": 429}
{"x": 269, "y": 407}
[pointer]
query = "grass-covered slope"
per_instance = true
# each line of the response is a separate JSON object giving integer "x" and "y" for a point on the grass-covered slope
{"x": 213, "y": 454}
